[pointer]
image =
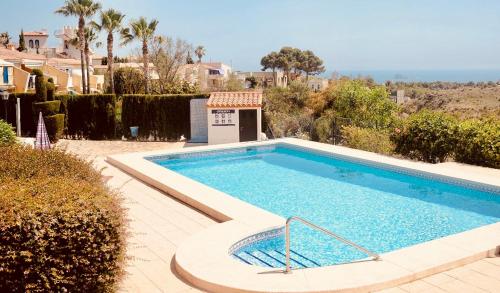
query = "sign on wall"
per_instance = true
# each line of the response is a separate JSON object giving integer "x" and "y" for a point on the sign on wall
{"x": 223, "y": 117}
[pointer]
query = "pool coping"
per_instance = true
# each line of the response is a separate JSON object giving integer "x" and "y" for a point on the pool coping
{"x": 204, "y": 258}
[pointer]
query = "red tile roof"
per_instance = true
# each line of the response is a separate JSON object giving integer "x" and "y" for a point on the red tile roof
{"x": 234, "y": 99}
{"x": 14, "y": 54}
{"x": 39, "y": 33}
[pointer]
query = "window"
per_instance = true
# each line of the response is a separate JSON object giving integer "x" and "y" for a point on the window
{"x": 6, "y": 75}
{"x": 31, "y": 44}
{"x": 37, "y": 44}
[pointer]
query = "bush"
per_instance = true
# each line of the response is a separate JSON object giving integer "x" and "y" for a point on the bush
{"x": 427, "y": 136}
{"x": 40, "y": 86}
{"x": 164, "y": 117}
{"x": 47, "y": 108}
{"x": 90, "y": 116}
{"x": 323, "y": 130}
{"x": 7, "y": 135}
{"x": 478, "y": 142}
{"x": 61, "y": 229}
{"x": 51, "y": 89}
{"x": 367, "y": 139}
{"x": 128, "y": 81}
{"x": 55, "y": 126}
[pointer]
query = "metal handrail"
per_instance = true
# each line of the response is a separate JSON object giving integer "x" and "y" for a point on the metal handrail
{"x": 321, "y": 229}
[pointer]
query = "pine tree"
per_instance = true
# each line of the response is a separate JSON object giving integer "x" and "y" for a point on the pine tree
{"x": 22, "y": 44}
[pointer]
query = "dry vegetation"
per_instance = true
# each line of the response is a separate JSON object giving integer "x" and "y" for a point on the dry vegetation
{"x": 461, "y": 100}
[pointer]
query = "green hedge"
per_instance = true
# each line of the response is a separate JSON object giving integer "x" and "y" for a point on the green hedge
{"x": 61, "y": 229}
{"x": 47, "y": 108}
{"x": 55, "y": 126}
{"x": 90, "y": 116}
{"x": 478, "y": 142}
{"x": 162, "y": 117}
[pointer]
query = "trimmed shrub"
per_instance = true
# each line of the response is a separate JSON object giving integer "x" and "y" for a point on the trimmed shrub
{"x": 22, "y": 163}
{"x": 40, "y": 86}
{"x": 51, "y": 89}
{"x": 90, "y": 116}
{"x": 7, "y": 135}
{"x": 28, "y": 125}
{"x": 61, "y": 229}
{"x": 162, "y": 117}
{"x": 427, "y": 136}
{"x": 47, "y": 108}
{"x": 367, "y": 139}
{"x": 478, "y": 142}
{"x": 55, "y": 126}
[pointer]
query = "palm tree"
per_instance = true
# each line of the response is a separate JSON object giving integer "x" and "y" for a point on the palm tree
{"x": 200, "y": 52}
{"x": 144, "y": 32}
{"x": 111, "y": 22}
{"x": 82, "y": 9}
{"x": 90, "y": 37}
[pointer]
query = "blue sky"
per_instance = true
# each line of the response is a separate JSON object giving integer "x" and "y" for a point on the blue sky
{"x": 347, "y": 35}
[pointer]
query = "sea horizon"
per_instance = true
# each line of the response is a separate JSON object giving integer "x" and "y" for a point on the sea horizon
{"x": 422, "y": 75}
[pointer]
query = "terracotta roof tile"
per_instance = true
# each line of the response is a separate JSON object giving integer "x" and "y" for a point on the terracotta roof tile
{"x": 39, "y": 33}
{"x": 14, "y": 54}
{"x": 234, "y": 99}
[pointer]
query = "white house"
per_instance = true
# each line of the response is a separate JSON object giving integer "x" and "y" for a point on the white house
{"x": 36, "y": 41}
{"x": 317, "y": 84}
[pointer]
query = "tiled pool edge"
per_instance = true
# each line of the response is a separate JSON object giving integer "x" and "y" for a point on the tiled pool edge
{"x": 204, "y": 259}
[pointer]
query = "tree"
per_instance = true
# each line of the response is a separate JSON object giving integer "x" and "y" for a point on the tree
{"x": 294, "y": 60}
{"x": 90, "y": 37}
{"x": 22, "y": 43}
{"x": 128, "y": 81}
{"x": 40, "y": 86}
{"x": 81, "y": 9}
{"x": 270, "y": 61}
{"x": 4, "y": 39}
{"x": 233, "y": 84}
{"x": 111, "y": 22}
{"x": 189, "y": 59}
{"x": 144, "y": 32}
{"x": 310, "y": 64}
{"x": 200, "y": 52}
{"x": 167, "y": 55}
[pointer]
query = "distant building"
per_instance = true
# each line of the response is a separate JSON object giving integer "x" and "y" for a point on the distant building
{"x": 265, "y": 78}
{"x": 317, "y": 84}
{"x": 208, "y": 76}
{"x": 399, "y": 97}
{"x": 36, "y": 41}
{"x": 153, "y": 73}
{"x": 66, "y": 72}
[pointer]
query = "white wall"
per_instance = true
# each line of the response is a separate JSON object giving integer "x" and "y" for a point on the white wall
{"x": 42, "y": 43}
{"x": 230, "y": 132}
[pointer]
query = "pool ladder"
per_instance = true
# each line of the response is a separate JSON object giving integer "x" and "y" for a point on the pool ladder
{"x": 288, "y": 268}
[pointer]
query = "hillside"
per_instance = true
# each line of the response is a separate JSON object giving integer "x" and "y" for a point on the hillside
{"x": 462, "y": 100}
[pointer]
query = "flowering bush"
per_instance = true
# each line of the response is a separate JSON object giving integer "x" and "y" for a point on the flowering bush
{"x": 427, "y": 136}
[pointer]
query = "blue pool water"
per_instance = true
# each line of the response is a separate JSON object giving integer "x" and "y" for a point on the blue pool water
{"x": 379, "y": 209}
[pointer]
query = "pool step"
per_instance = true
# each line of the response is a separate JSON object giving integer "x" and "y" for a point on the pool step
{"x": 275, "y": 259}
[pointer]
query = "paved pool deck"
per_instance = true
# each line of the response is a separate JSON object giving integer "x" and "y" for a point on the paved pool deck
{"x": 158, "y": 223}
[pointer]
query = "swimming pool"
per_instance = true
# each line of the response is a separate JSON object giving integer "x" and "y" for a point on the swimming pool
{"x": 380, "y": 209}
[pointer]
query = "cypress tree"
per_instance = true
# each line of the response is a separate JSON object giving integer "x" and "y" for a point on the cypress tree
{"x": 22, "y": 44}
